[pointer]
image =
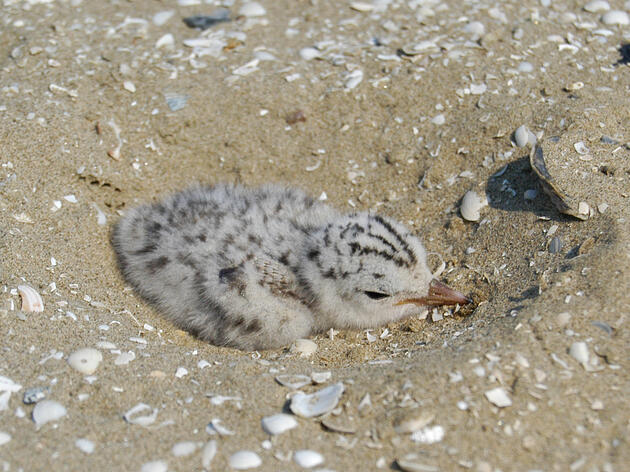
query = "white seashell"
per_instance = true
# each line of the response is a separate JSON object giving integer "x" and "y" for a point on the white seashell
{"x": 428, "y": 435}
{"x": 141, "y": 420}
{"x": 278, "y": 424}
{"x": 476, "y": 28}
{"x": 85, "y": 445}
{"x": 478, "y": 89}
{"x": 160, "y": 18}
{"x": 4, "y": 400}
{"x": 525, "y": 67}
{"x": 242, "y": 460}
{"x": 85, "y": 360}
{"x": 208, "y": 453}
{"x": 48, "y": 410}
{"x": 615, "y": 17}
{"x": 410, "y": 463}
{"x": 184, "y": 448}
{"x": 216, "y": 427}
{"x": 31, "y": 299}
{"x": 4, "y": 438}
{"x": 321, "y": 377}
{"x": 411, "y": 425}
{"x": 498, "y": 397}
{"x": 581, "y": 148}
{"x": 579, "y": 351}
{"x": 252, "y": 9}
{"x": 417, "y": 48}
{"x": 304, "y": 347}
{"x": 8, "y": 385}
{"x": 439, "y": 119}
{"x": 471, "y": 206}
{"x": 125, "y": 358}
{"x": 309, "y": 53}
{"x": 362, "y": 6}
{"x": 596, "y": 6}
{"x": 181, "y": 372}
{"x": 353, "y": 79}
{"x": 154, "y": 466}
{"x": 318, "y": 403}
{"x": 293, "y": 381}
{"x": 306, "y": 458}
{"x": 521, "y": 136}
{"x": 166, "y": 41}
{"x": 583, "y": 208}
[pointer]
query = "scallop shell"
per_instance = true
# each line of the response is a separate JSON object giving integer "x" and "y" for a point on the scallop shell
{"x": 318, "y": 403}
{"x": 562, "y": 201}
{"x": 31, "y": 299}
{"x": 85, "y": 360}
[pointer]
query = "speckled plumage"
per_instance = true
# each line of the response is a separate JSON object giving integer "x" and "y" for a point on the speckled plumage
{"x": 257, "y": 268}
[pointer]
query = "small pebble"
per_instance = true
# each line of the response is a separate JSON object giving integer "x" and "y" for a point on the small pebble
{"x": 242, "y": 460}
{"x": 306, "y": 458}
{"x": 48, "y": 410}
{"x": 85, "y": 360}
{"x": 85, "y": 445}
{"x": 498, "y": 397}
{"x": 530, "y": 194}
{"x": 278, "y": 424}
{"x": 35, "y": 394}
{"x": 428, "y": 435}
{"x": 602, "y": 207}
{"x": 525, "y": 67}
{"x": 154, "y": 466}
{"x": 162, "y": 17}
{"x": 616, "y": 17}
{"x": 563, "y": 319}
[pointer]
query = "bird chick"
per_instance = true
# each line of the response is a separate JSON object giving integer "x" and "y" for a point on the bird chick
{"x": 257, "y": 268}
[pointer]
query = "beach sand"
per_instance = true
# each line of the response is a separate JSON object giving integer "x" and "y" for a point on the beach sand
{"x": 407, "y": 106}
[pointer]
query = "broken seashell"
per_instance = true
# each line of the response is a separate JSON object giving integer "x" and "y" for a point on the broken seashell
{"x": 304, "y": 347}
{"x": 141, "y": 420}
{"x": 318, "y": 403}
{"x": 563, "y": 202}
{"x": 293, "y": 381}
{"x": 216, "y": 427}
{"x": 498, "y": 397}
{"x": 31, "y": 299}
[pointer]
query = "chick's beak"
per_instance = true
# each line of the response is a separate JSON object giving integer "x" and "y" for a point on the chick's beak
{"x": 439, "y": 294}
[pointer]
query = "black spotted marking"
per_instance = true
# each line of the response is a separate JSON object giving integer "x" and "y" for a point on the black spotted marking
{"x": 376, "y": 275}
{"x": 202, "y": 237}
{"x": 357, "y": 249}
{"x": 313, "y": 254}
{"x": 150, "y": 247}
{"x": 279, "y": 206}
{"x": 284, "y": 258}
{"x": 252, "y": 238}
{"x": 185, "y": 258}
{"x": 329, "y": 274}
{"x": 383, "y": 240}
{"x": 188, "y": 238}
{"x": 327, "y": 235}
{"x": 253, "y": 326}
{"x": 158, "y": 263}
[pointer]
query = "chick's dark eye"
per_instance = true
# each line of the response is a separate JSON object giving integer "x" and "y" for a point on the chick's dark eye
{"x": 375, "y": 295}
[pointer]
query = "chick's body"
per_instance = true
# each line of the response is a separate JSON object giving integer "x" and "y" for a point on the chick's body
{"x": 258, "y": 268}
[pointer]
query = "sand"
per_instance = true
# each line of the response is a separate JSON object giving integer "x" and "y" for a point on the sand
{"x": 75, "y": 72}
